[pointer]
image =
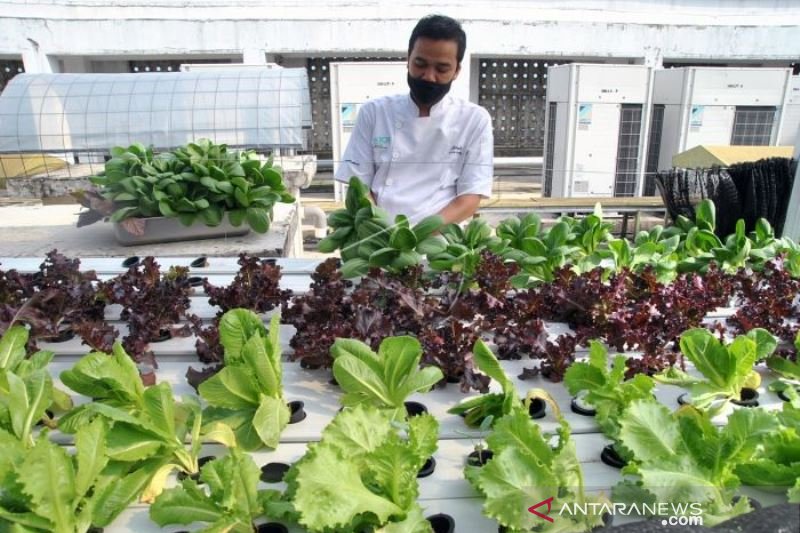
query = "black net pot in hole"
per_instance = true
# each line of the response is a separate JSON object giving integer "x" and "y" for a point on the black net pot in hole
{"x": 131, "y": 261}
{"x": 610, "y": 457}
{"x": 608, "y": 521}
{"x": 65, "y": 333}
{"x": 783, "y": 396}
{"x": 579, "y": 406}
{"x": 273, "y": 472}
{"x": 200, "y": 262}
{"x": 453, "y": 379}
{"x": 685, "y": 399}
{"x": 200, "y": 462}
{"x": 479, "y": 457}
{"x": 537, "y": 409}
{"x": 428, "y": 468}
{"x": 747, "y": 398}
{"x": 162, "y": 335}
{"x": 272, "y": 527}
{"x": 298, "y": 413}
{"x": 755, "y": 504}
{"x": 195, "y": 281}
{"x": 415, "y": 408}
{"x": 49, "y": 415}
{"x": 442, "y": 523}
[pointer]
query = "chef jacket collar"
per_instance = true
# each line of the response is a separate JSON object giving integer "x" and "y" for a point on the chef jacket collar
{"x": 437, "y": 109}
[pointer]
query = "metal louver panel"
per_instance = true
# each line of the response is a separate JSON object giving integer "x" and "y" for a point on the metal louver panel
{"x": 551, "y": 147}
{"x": 653, "y": 149}
{"x": 752, "y": 125}
{"x": 630, "y": 128}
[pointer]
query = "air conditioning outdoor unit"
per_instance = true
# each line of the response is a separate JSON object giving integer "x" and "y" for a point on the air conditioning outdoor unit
{"x": 719, "y": 106}
{"x": 791, "y": 115}
{"x": 595, "y": 139}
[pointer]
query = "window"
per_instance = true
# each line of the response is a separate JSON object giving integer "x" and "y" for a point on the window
{"x": 8, "y": 69}
{"x": 752, "y": 126}
{"x": 514, "y": 91}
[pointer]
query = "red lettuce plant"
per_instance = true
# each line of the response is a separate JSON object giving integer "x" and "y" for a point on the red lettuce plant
{"x": 153, "y": 304}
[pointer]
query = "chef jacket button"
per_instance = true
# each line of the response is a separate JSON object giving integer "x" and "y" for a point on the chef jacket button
{"x": 389, "y": 181}
{"x": 396, "y": 156}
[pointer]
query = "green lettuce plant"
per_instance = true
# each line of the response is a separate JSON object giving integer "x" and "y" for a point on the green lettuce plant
{"x": 247, "y": 394}
{"x": 494, "y": 404}
{"x": 726, "y": 368}
{"x": 229, "y": 501}
{"x": 384, "y": 379}
{"x": 157, "y": 435}
{"x": 776, "y": 467}
{"x": 682, "y": 458}
{"x": 46, "y": 489}
{"x": 362, "y": 474}
{"x": 606, "y": 389}
{"x": 109, "y": 379}
{"x": 13, "y": 359}
{"x": 789, "y": 384}
{"x": 525, "y": 469}
{"x": 26, "y": 388}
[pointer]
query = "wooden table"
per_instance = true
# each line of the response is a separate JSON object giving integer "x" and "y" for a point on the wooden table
{"x": 624, "y": 207}
{"x": 445, "y": 490}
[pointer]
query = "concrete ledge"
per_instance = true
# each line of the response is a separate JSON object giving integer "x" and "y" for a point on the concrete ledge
{"x": 35, "y": 230}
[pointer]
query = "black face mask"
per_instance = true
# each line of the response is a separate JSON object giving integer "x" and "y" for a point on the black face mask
{"x": 427, "y": 92}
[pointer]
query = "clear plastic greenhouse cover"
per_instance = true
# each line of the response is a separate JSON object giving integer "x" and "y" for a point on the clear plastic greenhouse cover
{"x": 247, "y": 107}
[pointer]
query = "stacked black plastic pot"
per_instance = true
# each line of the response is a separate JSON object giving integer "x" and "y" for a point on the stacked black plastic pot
{"x": 750, "y": 191}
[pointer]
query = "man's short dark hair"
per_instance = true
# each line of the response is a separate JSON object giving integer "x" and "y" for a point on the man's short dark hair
{"x": 440, "y": 28}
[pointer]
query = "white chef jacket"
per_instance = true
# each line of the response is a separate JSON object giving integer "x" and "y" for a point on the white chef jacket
{"x": 417, "y": 165}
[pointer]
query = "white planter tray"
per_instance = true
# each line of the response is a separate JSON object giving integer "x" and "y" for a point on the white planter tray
{"x": 164, "y": 229}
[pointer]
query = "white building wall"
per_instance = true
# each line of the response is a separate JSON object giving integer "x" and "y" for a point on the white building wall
{"x": 645, "y": 31}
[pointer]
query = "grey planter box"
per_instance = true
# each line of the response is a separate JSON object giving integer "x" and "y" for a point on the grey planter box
{"x": 164, "y": 229}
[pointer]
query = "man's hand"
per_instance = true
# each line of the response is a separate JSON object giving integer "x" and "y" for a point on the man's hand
{"x": 461, "y": 208}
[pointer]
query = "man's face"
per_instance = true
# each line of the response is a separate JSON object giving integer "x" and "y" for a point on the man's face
{"x": 434, "y": 60}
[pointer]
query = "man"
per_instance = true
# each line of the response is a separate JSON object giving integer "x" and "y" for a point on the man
{"x": 425, "y": 152}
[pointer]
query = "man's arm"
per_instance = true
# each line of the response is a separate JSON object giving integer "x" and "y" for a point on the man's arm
{"x": 475, "y": 181}
{"x": 461, "y": 208}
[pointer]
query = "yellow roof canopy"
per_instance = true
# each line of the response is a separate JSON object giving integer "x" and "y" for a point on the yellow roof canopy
{"x": 703, "y": 156}
{"x": 27, "y": 165}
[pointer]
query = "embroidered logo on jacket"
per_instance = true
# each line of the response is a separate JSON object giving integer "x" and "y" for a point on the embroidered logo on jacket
{"x": 381, "y": 142}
